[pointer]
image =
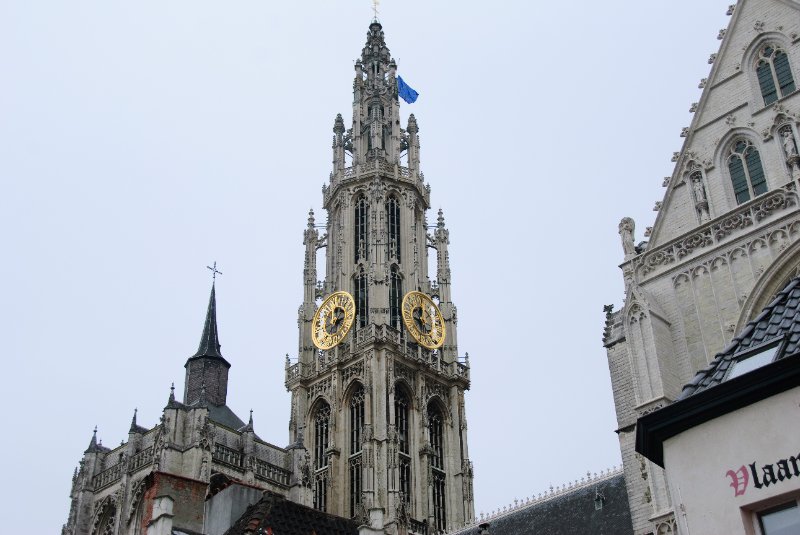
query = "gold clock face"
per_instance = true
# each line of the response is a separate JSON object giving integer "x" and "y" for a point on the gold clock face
{"x": 423, "y": 320}
{"x": 333, "y": 319}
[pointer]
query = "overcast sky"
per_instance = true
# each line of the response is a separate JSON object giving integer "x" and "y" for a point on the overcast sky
{"x": 141, "y": 141}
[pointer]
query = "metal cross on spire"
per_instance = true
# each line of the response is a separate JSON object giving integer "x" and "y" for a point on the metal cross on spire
{"x": 375, "y": 9}
{"x": 214, "y": 271}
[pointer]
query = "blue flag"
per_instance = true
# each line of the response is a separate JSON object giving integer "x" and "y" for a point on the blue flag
{"x": 405, "y": 92}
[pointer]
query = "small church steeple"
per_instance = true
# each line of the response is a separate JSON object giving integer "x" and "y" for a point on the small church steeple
{"x": 207, "y": 370}
{"x": 209, "y": 341}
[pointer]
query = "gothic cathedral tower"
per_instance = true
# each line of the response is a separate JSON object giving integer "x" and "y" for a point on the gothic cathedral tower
{"x": 381, "y": 411}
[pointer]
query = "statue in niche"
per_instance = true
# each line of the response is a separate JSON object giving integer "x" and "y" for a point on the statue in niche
{"x": 790, "y": 148}
{"x": 700, "y": 199}
{"x": 699, "y": 190}
{"x": 626, "y": 228}
{"x": 788, "y": 143}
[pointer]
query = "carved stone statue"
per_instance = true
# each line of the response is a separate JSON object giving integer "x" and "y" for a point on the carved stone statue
{"x": 699, "y": 190}
{"x": 626, "y": 227}
{"x": 700, "y": 199}
{"x": 788, "y": 143}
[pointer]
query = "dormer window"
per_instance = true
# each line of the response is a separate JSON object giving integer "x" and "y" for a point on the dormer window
{"x": 753, "y": 360}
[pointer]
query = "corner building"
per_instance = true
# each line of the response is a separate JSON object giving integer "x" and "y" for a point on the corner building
{"x": 382, "y": 417}
{"x": 724, "y": 242}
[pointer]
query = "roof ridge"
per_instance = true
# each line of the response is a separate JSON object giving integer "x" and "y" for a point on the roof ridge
{"x": 567, "y": 488}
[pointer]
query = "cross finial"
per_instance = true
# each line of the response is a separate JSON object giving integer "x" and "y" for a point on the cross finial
{"x": 375, "y": 9}
{"x": 214, "y": 271}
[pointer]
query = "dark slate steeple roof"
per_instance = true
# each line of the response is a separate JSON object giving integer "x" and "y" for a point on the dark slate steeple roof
{"x": 779, "y": 319}
{"x": 209, "y": 341}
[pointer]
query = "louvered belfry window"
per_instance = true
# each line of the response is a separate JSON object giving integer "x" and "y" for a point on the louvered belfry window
{"x": 436, "y": 433}
{"x": 401, "y": 412}
{"x": 355, "y": 459}
{"x": 395, "y": 297}
{"x": 362, "y": 299}
{"x": 322, "y": 418}
{"x": 361, "y": 224}
{"x": 774, "y": 74}
{"x": 393, "y": 220}
{"x": 747, "y": 173}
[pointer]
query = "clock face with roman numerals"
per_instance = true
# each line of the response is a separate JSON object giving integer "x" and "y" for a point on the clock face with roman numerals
{"x": 423, "y": 320}
{"x": 333, "y": 320}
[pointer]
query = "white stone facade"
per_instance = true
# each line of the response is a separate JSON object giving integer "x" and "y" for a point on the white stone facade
{"x": 712, "y": 261}
{"x": 375, "y": 163}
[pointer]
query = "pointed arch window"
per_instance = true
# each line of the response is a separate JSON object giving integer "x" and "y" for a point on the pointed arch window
{"x": 436, "y": 434}
{"x": 393, "y": 220}
{"x": 361, "y": 224}
{"x": 774, "y": 74}
{"x": 402, "y": 405}
{"x": 356, "y": 437}
{"x": 322, "y": 419}
{"x": 747, "y": 173}
{"x": 362, "y": 298}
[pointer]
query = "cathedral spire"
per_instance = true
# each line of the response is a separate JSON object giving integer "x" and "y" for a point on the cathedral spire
{"x": 209, "y": 341}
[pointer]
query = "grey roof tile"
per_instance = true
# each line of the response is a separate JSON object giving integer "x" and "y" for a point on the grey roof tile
{"x": 572, "y": 512}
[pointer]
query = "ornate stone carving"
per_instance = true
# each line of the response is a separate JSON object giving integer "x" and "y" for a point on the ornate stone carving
{"x": 626, "y": 228}
{"x": 320, "y": 388}
{"x": 353, "y": 371}
{"x": 705, "y": 236}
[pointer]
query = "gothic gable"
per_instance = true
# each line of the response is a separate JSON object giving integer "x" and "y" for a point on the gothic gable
{"x": 742, "y": 138}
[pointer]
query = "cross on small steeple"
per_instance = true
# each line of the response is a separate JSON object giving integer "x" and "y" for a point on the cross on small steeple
{"x": 375, "y": 9}
{"x": 214, "y": 271}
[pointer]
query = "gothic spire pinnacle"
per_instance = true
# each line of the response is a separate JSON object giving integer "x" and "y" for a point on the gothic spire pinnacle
{"x": 172, "y": 393}
{"x": 375, "y": 50}
{"x": 209, "y": 341}
{"x": 440, "y": 219}
{"x": 133, "y": 420}
{"x": 310, "y": 219}
{"x": 412, "y": 124}
{"x": 338, "y": 124}
{"x": 93, "y": 445}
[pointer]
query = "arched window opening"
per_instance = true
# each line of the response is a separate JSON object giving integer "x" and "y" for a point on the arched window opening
{"x": 362, "y": 299}
{"x": 393, "y": 220}
{"x": 395, "y": 297}
{"x": 401, "y": 413}
{"x": 774, "y": 74}
{"x": 362, "y": 219}
{"x": 436, "y": 433}
{"x": 322, "y": 419}
{"x": 355, "y": 460}
{"x": 747, "y": 173}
